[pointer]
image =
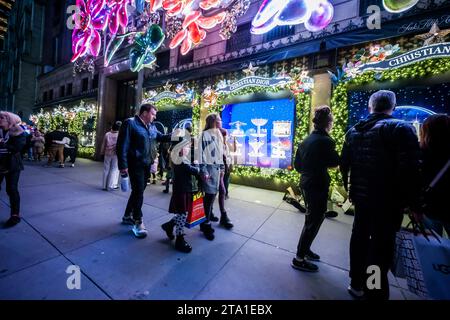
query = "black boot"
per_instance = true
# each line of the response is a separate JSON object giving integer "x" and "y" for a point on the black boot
{"x": 168, "y": 228}
{"x": 182, "y": 245}
{"x": 207, "y": 230}
{"x": 213, "y": 218}
{"x": 225, "y": 221}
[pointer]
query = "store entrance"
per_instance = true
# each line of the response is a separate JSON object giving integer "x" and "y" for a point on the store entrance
{"x": 126, "y": 99}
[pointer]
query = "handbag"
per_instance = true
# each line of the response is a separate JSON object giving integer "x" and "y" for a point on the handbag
{"x": 294, "y": 200}
{"x": 424, "y": 261}
{"x": 432, "y": 198}
{"x": 196, "y": 211}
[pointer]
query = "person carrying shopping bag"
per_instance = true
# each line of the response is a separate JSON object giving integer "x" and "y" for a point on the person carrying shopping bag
{"x": 185, "y": 186}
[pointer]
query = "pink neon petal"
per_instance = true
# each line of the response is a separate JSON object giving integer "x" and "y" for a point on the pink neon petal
{"x": 100, "y": 22}
{"x": 186, "y": 46}
{"x": 113, "y": 21}
{"x": 208, "y": 4}
{"x": 180, "y": 36}
{"x": 81, "y": 4}
{"x": 96, "y": 6}
{"x": 170, "y": 4}
{"x": 123, "y": 16}
{"x": 190, "y": 18}
{"x": 176, "y": 10}
{"x": 220, "y": 16}
{"x": 95, "y": 43}
{"x": 207, "y": 22}
{"x": 155, "y": 5}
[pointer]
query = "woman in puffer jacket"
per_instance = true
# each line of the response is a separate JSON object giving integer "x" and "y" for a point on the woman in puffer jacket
{"x": 12, "y": 141}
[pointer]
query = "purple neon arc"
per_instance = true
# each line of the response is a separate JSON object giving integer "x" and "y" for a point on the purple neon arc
{"x": 316, "y": 14}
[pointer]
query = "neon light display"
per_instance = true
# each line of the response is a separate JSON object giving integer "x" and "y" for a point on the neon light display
{"x": 316, "y": 14}
{"x": 92, "y": 16}
{"x": 118, "y": 16}
{"x": 194, "y": 24}
{"x": 145, "y": 45}
{"x": 397, "y": 6}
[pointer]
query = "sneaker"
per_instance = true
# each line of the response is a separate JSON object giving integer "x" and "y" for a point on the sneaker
{"x": 312, "y": 256}
{"x": 61, "y": 166}
{"x": 166, "y": 191}
{"x": 139, "y": 230}
{"x": 355, "y": 293}
{"x": 304, "y": 265}
{"x": 73, "y": 165}
{"x": 128, "y": 220}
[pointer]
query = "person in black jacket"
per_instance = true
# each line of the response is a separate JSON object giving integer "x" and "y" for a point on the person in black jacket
{"x": 55, "y": 141}
{"x": 12, "y": 141}
{"x": 184, "y": 186}
{"x": 314, "y": 156}
{"x": 381, "y": 155}
{"x": 136, "y": 149}
{"x": 71, "y": 148}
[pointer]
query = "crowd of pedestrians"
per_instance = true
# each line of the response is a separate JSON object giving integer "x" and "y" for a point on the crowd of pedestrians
{"x": 386, "y": 168}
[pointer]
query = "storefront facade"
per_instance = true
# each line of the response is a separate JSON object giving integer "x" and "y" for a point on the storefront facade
{"x": 290, "y": 50}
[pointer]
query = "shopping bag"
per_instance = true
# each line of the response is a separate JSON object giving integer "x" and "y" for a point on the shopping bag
{"x": 424, "y": 262}
{"x": 434, "y": 258}
{"x": 196, "y": 213}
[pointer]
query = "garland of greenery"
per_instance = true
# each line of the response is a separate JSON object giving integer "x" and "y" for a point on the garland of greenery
{"x": 339, "y": 102}
{"x": 79, "y": 120}
{"x": 303, "y": 100}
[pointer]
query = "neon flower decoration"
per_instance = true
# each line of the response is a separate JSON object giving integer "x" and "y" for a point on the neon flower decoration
{"x": 316, "y": 14}
{"x": 92, "y": 17}
{"x": 154, "y": 5}
{"x": 397, "y": 6}
{"x": 321, "y": 16}
{"x": 193, "y": 32}
{"x": 118, "y": 15}
{"x": 145, "y": 45}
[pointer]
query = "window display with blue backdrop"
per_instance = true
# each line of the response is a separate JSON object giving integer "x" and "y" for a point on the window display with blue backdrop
{"x": 262, "y": 131}
{"x": 414, "y": 103}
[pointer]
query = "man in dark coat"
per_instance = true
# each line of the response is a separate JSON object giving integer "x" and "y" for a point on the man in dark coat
{"x": 136, "y": 147}
{"x": 381, "y": 155}
{"x": 314, "y": 156}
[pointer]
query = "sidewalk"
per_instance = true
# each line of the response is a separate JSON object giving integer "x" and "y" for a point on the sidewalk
{"x": 68, "y": 219}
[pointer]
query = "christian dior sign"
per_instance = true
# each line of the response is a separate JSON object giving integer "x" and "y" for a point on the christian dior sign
{"x": 438, "y": 50}
{"x": 254, "y": 81}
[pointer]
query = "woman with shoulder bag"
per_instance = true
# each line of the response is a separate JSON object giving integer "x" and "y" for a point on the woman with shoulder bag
{"x": 12, "y": 141}
{"x": 435, "y": 148}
